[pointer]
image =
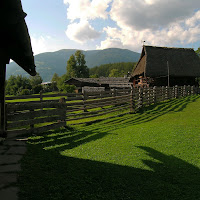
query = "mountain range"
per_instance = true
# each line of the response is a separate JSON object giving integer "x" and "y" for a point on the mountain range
{"x": 50, "y": 62}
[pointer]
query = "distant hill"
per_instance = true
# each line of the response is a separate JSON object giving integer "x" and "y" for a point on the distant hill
{"x": 49, "y": 63}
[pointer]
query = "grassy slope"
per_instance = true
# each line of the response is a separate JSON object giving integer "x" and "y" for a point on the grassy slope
{"x": 153, "y": 154}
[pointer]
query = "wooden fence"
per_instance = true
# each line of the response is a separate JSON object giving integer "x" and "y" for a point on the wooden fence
{"x": 39, "y": 113}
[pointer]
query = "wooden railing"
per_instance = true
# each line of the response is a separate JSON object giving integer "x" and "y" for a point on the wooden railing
{"x": 39, "y": 113}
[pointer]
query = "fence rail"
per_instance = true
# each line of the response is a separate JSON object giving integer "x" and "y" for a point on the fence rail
{"x": 39, "y": 113}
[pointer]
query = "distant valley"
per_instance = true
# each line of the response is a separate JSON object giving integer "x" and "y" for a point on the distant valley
{"x": 49, "y": 63}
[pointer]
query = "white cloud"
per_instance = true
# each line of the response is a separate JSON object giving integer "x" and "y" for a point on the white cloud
{"x": 174, "y": 35}
{"x": 193, "y": 20}
{"x": 81, "y": 32}
{"x": 151, "y": 14}
{"x": 110, "y": 42}
{"x": 160, "y": 23}
{"x": 86, "y": 9}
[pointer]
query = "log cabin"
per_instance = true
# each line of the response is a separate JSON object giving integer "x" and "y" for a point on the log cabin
{"x": 163, "y": 66}
{"x": 103, "y": 82}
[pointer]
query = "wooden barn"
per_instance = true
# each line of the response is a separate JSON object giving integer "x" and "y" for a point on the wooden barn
{"x": 103, "y": 82}
{"x": 162, "y": 66}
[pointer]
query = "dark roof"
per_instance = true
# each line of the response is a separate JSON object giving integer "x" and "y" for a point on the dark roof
{"x": 102, "y": 81}
{"x": 15, "y": 40}
{"x": 181, "y": 61}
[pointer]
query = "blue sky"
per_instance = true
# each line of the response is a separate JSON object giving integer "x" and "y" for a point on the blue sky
{"x": 100, "y": 24}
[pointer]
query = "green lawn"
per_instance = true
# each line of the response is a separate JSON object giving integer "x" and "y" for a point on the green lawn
{"x": 151, "y": 155}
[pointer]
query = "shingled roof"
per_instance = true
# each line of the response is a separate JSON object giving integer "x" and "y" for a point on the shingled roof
{"x": 181, "y": 61}
{"x": 102, "y": 81}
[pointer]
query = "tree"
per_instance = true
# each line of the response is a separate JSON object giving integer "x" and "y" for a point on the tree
{"x": 35, "y": 80}
{"x": 76, "y": 66}
{"x": 36, "y": 83}
{"x": 16, "y": 84}
{"x": 71, "y": 67}
{"x": 116, "y": 73}
{"x": 55, "y": 78}
{"x": 198, "y": 51}
{"x": 105, "y": 69}
{"x": 82, "y": 69}
{"x": 54, "y": 82}
{"x": 64, "y": 87}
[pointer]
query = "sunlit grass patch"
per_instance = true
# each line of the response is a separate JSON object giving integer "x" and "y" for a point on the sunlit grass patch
{"x": 152, "y": 154}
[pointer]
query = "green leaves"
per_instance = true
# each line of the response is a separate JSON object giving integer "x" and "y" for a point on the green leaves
{"x": 76, "y": 66}
{"x": 16, "y": 84}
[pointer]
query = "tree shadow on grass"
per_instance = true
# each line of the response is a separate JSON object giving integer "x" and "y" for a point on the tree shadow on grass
{"x": 73, "y": 137}
{"x": 49, "y": 175}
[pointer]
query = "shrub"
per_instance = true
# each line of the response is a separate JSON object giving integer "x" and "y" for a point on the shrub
{"x": 25, "y": 92}
{"x": 36, "y": 89}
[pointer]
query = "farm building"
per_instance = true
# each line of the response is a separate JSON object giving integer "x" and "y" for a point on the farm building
{"x": 162, "y": 66}
{"x": 104, "y": 83}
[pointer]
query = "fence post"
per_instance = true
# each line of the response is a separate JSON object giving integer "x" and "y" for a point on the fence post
{"x": 132, "y": 105}
{"x": 163, "y": 93}
{"x": 63, "y": 110}
{"x": 181, "y": 91}
{"x": 84, "y": 99}
{"x": 115, "y": 92}
{"x": 184, "y": 90}
{"x": 41, "y": 96}
{"x": 148, "y": 96}
{"x": 166, "y": 93}
{"x": 192, "y": 90}
{"x": 32, "y": 124}
{"x": 140, "y": 97}
{"x": 176, "y": 92}
{"x": 154, "y": 95}
{"x": 173, "y": 92}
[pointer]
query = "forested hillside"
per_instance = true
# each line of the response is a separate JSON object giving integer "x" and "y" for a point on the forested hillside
{"x": 55, "y": 62}
{"x": 112, "y": 70}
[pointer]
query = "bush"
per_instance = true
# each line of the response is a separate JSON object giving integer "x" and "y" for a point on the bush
{"x": 69, "y": 88}
{"x": 25, "y": 92}
{"x": 36, "y": 89}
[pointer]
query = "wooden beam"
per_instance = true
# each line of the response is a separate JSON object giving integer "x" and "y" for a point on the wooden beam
{"x": 2, "y": 99}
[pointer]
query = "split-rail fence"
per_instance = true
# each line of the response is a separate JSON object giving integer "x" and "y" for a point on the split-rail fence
{"x": 39, "y": 113}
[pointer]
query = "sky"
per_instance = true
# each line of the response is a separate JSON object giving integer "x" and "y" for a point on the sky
{"x": 101, "y": 24}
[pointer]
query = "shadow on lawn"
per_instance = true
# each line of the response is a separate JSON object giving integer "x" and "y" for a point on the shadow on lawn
{"x": 48, "y": 175}
{"x": 72, "y": 137}
{"x": 152, "y": 112}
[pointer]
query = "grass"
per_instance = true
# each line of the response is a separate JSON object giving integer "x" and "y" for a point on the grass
{"x": 151, "y": 155}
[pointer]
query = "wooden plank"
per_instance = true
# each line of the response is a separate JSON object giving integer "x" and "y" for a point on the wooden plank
{"x": 44, "y": 96}
{"x": 27, "y": 115}
{"x": 97, "y": 115}
{"x": 74, "y": 98}
{"x": 106, "y": 104}
{"x": 17, "y": 124}
{"x": 2, "y": 95}
{"x": 97, "y": 102}
{"x": 108, "y": 99}
{"x": 98, "y": 120}
{"x": 27, "y": 106}
{"x": 23, "y": 97}
{"x": 62, "y": 95}
{"x": 13, "y": 133}
{"x": 92, "y": 112}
